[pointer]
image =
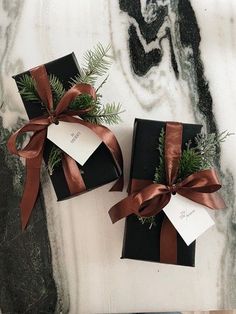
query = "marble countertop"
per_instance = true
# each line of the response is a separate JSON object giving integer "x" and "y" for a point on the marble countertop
{"x": 173, "y": 60}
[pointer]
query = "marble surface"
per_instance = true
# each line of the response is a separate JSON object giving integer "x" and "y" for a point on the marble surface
{"x": 173, "y": 60}
{"x": 25, "y": 258}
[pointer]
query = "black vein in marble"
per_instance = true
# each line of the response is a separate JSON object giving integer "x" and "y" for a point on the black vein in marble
{"x": 143, "y": 61}
{"x": 190, "y": 37}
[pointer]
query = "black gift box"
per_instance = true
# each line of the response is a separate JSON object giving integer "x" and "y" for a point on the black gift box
{"x": 141, "y": 242}
{"x": 100, "y": 168}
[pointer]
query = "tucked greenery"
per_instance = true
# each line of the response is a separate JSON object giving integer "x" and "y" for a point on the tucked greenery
{"x": 148, "y": 220}
{"x": 160, "y": 174}
{"x": 54, "y": 158}
{"x": 27, "y": 88}
{"x": 190, "y": 162}
{"x": 57, "y": 88}
{"x": 96, "y": 65}
{"x": 207, "y": 147}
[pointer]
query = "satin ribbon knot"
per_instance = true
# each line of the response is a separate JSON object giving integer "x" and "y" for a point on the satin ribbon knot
{"x": 33, "y": 151}
{"x": 53, "y": 118}
{"x": 172, "y": 188}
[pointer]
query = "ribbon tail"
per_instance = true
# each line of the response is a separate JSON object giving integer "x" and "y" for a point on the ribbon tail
{"x": 168, "y": 242}
{"x": 146, "y": 203}
{"x": 31, "y": 189}
{"x": 109, "y": 140}
{"x": 73, "y": 176}
{"x": 118, "y": 186}
{"x": 124, "y": 208}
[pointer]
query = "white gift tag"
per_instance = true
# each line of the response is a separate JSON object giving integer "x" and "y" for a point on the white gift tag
{"x": 189, "y": 218}
{"x": 75, "y": 139}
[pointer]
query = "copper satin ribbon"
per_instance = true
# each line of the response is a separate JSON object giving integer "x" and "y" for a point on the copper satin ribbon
{"x": 33, "y": 151}
{"x": 148, "y": 198}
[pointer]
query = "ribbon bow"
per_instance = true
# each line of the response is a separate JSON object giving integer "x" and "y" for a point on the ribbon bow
{"x": 148, "y": 198}
{"x": 33, "y": 151}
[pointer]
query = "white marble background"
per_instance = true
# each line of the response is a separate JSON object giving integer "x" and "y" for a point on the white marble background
{"x": 86, "y": 247}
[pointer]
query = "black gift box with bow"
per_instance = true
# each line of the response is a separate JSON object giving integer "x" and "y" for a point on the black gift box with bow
{"x": 140, "y": 241}
{"x": 100, "y": 168}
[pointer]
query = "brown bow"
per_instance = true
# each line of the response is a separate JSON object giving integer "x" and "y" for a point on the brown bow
{"x": 33, "y": 151}
{"x": 148, "y": 198}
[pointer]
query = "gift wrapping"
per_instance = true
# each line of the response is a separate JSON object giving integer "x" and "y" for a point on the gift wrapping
{"x": 140, "y": 241}
{"x": 100, "y": 168}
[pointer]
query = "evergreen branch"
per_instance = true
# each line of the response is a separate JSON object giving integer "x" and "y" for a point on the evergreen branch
{"x": 160, "y": 174}
{"x": 27, "y": 88}
{"x": 54, "y": 159}
{"x": 96, "y": 65}
{"x": 57, "y": 88}
{"x": 108, "y": 114}
{"x": 28, "y": 91}
{"x": 223, "y": 136}
{"x": 189, "y": 163}
{"x": 207, "y": 147}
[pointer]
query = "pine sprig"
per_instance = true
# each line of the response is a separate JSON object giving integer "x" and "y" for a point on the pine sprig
{"x": 190, "y": 162}
{"x": 160, "y": 174}
{"x": 97, "y": 63}
{"x": 54, "y": 158}
{"x": 27, "y": 88}
{"x": 207, "y": 147}
{"x": 57, "y": 88}
{"x": 108, "y": 114}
